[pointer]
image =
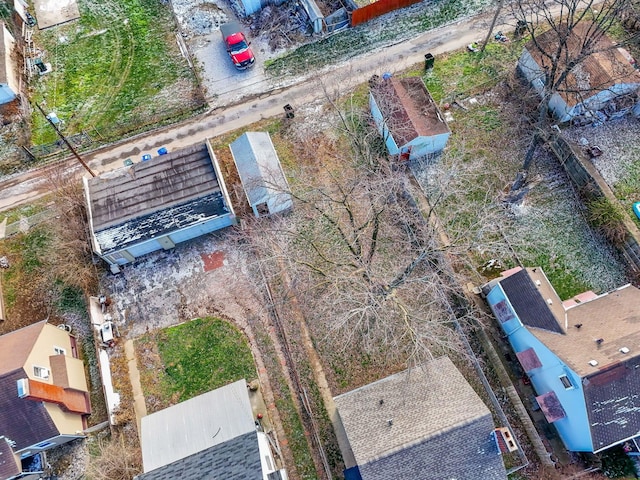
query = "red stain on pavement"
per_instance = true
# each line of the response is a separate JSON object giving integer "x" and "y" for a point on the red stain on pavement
{"x": 212, "y": 260}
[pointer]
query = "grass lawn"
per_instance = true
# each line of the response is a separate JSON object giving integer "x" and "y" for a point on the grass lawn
{"x": 115, "y": 70}
{"x": 196, "y": 357}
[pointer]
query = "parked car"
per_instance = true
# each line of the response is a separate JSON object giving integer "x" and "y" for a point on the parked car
{"x": 238, "y": 47}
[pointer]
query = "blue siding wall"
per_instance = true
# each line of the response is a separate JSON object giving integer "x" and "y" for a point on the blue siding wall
{"x": 178, "y": 236}
{"x": 6, "y": 94}
{"x": 423, "y": 146}
{"x": 574, "y": 428}
{"x": 391, "y": 144}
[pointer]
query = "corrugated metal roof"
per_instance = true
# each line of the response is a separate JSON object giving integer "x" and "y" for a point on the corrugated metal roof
{"x": 195, "y": 425}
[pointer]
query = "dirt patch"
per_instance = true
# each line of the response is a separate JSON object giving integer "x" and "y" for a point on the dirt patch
{"x": 212, "y": 261}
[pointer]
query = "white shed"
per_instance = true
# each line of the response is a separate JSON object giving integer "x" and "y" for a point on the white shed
{"x": 261, "y": 174}
{"x": 9, "y": 80}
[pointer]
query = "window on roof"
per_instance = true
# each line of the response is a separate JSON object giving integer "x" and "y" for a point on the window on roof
{"x": 566, "y": 382}
{"x": 40, "y": 372}
{"x": 59, "y": 351}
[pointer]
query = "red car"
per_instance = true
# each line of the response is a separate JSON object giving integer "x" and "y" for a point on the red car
{"x": 237, "y": 45}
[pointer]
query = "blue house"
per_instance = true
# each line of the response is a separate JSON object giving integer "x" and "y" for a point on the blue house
{"x": 582, "y": 355}
{"x": 154, "y": 205}
{"x": 407, "y": 117}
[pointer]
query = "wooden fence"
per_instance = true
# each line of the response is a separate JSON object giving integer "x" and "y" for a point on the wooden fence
{"x": 373, "y": 10}
{"x": 586, "y": 177}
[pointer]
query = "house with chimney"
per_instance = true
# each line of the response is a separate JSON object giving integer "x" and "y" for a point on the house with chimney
{"x": 582, "y": 356}
{"x": 44, "y": 399}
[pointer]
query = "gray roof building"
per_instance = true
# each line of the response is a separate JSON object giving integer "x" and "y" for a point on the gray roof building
{"x": 424, "y": 423}
{"x": 263, "y": 180}
{"x": 156, "y": 204}
{"x": 211, "y": 436}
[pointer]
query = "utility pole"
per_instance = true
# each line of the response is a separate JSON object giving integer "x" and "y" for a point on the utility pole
{"x": 64, "y": 139}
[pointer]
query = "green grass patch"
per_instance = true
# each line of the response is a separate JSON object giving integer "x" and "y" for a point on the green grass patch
{"x": 202, "y": 355}
{"x": 465, "y": 73}
{"x": 116, "y": 66}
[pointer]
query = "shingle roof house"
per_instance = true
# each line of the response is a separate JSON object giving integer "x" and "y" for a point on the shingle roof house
{"x": 582, "y": 355}
{"x": 407, "y": 117}
{"x": 426, "y": 423}
{"x": 211, "y": 436}
{"x": 44, "y": 398}
{"x": 596, "y": 83}
{"x": 263, "y": 180}
{"x": 9, "y": 78}
{"x": 156, "y": 204}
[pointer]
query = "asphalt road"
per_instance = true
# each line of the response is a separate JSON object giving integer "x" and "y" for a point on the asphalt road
{"x": 32, "y": 185}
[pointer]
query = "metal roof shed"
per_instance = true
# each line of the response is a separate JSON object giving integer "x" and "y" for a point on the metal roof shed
{"x": 263, "y": 179}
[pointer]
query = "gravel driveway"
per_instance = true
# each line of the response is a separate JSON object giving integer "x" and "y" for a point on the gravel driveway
{"x": 223, "y": 84}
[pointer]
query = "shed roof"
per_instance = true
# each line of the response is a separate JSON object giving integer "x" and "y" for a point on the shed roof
{"x": 408, "y": 109}
{"x": 406, "y": 423}
{"x": 197, "y": 424}
{"x": 156, "y": 197}
{"x": 259, "y": 168}
{"x": 607, "y": 66}
{"x": 16, "y": 346}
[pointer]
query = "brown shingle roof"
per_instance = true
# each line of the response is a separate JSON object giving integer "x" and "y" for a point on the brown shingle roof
{"x": 16, "y": 346}
{"x": 607, "y": 66}
{"x": 408, "y": 109}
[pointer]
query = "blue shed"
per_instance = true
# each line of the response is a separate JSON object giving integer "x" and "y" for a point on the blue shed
{"x": 156, "y": 204}
{"x": 407, "y": 117}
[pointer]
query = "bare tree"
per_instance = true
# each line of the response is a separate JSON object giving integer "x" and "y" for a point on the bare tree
{"x": 366, "y": 263}
{"x": 563, "y": 35}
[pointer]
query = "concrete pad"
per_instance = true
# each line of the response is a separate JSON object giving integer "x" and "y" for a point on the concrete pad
{"x": 55, "y": 12}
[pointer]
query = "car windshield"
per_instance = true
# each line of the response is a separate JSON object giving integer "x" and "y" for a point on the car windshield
{"x": 239, "y": 47}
